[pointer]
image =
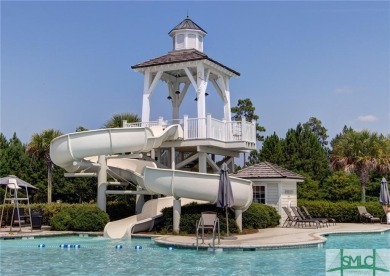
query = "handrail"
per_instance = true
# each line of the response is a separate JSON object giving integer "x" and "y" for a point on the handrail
{"x": 208, "y": 128}
{"x": 216, "y": 227}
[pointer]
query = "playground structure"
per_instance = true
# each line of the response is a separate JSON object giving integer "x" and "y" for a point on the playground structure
{"x": 157, "y": 157}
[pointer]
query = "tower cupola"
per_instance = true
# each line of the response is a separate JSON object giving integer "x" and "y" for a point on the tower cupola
{"x": 187, "y": 35}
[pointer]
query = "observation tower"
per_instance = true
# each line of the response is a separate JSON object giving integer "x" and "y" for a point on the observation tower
{"x": 188, "y": 72}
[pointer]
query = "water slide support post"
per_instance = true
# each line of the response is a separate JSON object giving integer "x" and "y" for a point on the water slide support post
{"x": 176, "y": 215}
{"x": 173, "y": 159}
{"x": 139, "y": 202}
{"x": 102, "y": 183}
{"x": 202, "y": 162}
{"x": 238, "y": 214}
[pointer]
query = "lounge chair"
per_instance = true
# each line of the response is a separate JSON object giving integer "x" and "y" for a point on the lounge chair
{"x": 296, "y": 220}
{"x": 303, "y": 220}
{"x": 332, "y": 220}
{"x": 290, "y": 218}
{"x": 366, "y": 216}
{"x": 324, "y": 221}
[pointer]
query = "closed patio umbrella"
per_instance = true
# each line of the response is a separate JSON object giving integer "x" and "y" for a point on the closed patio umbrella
{"x": 225, "y": 193}
{"x": 384, "y": 197}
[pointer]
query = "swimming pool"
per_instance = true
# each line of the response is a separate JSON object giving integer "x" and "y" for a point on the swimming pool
{"x": 99, "y": 256}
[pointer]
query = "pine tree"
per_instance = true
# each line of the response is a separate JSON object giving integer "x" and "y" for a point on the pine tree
{"x": 272, "y": 150}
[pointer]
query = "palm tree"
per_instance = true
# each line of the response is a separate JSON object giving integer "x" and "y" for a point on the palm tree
{"x": 117, "y": 120}
{"x": 39, "y": 147}
{"x": 361, "y": 152}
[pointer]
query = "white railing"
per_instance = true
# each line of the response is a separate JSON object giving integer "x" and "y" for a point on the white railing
{"x": 208, "y": 128}
{"x": 140, "y": 124}
{"x": 194, "y": 128}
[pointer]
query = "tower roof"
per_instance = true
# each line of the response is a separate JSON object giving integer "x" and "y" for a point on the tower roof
{"x": 187, "y": 24}
{"x": 180, "y": 56}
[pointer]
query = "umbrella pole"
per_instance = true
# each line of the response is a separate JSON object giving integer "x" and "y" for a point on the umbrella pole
{"x": 227, "y": 221}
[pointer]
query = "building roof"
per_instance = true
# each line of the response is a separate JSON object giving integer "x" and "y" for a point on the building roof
{"x": 187, "y": 24}
{"x": 266, "y": 170}
{"x": 180, "y": 56}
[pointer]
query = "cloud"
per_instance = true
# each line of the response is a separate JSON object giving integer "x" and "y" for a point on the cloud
{"x": 343, "y": 90}
{"x": 367, "y": 118}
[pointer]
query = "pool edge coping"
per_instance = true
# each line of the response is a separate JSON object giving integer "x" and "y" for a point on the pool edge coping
{"x": 160, "y": 240}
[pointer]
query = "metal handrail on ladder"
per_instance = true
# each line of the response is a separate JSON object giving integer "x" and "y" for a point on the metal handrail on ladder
{"x": 208, "y": 220}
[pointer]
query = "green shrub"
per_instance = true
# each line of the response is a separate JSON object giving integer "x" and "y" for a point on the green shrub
{"x": 274, "y": 216}
{"x": 341, "y": 211}
{"x": 119, "y": 210}
{"x": 190, "y": 214}
{"x": 256, "y": 217}
{"x": 90, "y": 218}
{"x": 116, "y": 210}
{"x": 7, "y": 212}
{"x": 259, "y": 216}
{"x": 80, "y": 217}
{"x": 47, "y": 210}
{"x": 63, "y": 221}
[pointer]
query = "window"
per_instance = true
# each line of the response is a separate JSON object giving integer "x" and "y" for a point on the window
{"x": 191, "y": 41}
{"x": 200, "y": 43}
{"x": 180, "y": 42}
{"x": 259, "y": 194}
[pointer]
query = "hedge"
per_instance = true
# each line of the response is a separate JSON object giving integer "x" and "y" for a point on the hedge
{"x": 119, "y": 210}
{"x": 80, "y": 217}
{"x": 259, "y": 216}
{"x": 256, "y": 217}
{"x": 115, "y": 210}
{"x": 341, "y": 211}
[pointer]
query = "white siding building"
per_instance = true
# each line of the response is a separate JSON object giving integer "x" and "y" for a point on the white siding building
{"x": 272, "y": 185}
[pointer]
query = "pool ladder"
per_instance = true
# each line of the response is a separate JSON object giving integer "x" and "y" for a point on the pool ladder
{"x": 208, "y": 220}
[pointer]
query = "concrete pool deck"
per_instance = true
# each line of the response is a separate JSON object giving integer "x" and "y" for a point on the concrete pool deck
{"x": 269, "y": 238}
{"x": 278, "y": 237}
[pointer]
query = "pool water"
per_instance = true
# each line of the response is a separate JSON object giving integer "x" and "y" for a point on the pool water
{"x": 99, "y": 256}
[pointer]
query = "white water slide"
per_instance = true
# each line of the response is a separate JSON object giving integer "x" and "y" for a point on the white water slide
{"x": 73, "y": 152}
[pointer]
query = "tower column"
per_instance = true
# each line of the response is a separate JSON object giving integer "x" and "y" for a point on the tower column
{"x": 149, "y": 86}
{"x": 202, "y": 162}
{"x": 200, "y": 91}
{"x": 228, "y": 110}
{"x": 227, "y": 113}
{"x": 146, "y": 98}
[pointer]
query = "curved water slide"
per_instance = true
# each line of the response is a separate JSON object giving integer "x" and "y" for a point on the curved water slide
{"x": 69, "y": 151}
{"x": 188, "y": 186}
{"x": 73, "y": 152}
{"x": 144, "y": 221}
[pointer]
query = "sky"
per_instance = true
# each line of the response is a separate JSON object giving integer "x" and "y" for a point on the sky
{"x": 68, "y": 64}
